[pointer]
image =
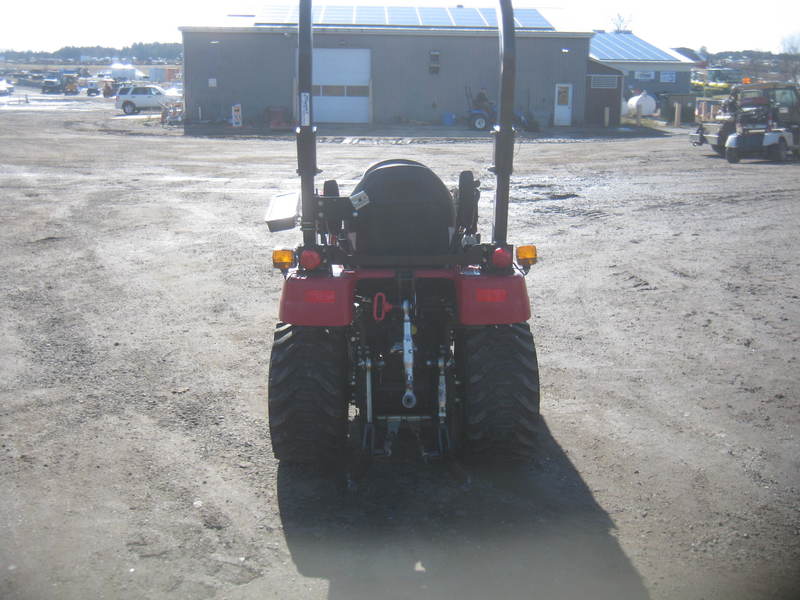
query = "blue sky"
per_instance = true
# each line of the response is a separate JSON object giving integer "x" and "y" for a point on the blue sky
{"x": 734, "y": 25}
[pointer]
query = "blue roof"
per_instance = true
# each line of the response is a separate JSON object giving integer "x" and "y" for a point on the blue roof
{"x": 626, "y": 46}
{"x": 398, "y": 16}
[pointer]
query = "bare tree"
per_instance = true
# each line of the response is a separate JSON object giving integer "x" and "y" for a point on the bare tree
{"x": 620, "y": 23}
{"x": 791, "y": 57}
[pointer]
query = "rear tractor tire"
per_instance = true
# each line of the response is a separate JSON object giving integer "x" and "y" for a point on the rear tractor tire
{"x": 308, "y": 394}
{"x": 500, "y": 376}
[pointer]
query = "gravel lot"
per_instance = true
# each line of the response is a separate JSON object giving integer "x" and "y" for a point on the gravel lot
{"x": 137, "y": 306}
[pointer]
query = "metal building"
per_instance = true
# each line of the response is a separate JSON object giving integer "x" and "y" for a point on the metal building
{"x": 603, "y": 94}
{"x": 375, "y": 64}
{"x": 646, "y": 67}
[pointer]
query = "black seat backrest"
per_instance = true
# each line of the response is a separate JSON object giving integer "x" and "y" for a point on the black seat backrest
{"x": 410, "y": 211}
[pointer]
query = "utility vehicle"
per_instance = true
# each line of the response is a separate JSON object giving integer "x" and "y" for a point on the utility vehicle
{"x": 759, "y": 119}
{"x": 400, "y": 330}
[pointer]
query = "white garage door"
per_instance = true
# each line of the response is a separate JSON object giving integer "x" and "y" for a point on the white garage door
{"x": 341, "y": 85}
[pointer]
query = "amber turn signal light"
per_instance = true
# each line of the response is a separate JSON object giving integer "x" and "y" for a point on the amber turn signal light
{"x": 283, "y": 259}
{"x": 526, "y": 255}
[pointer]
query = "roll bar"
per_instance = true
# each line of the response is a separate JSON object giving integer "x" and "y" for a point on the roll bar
{"x": 306, "y": 132}
{"x": 503, "y": 131}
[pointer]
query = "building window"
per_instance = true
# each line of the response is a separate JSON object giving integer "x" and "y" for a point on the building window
{"x": 562, "y": 95}
{"x": 332, "y": 90}
{"x": 433, "y": 65}
{"x": 358, "y": 91}
{"x": 604, "y": 82}
{"x": 351, "y": 91}
{"x": 644, "y": 75}
{"x": 667, "y": 77}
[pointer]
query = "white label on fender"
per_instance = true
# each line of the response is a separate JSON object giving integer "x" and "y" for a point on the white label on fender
{"x": 359, "y": 200}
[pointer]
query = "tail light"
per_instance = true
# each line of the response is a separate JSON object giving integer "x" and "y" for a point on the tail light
{"x": 283, "y": 259}
{"x": 310, "y": 259}
{"x": 491, "y": 295}
{"x": 526, "y": 255}
{"x": 501, "y": 258}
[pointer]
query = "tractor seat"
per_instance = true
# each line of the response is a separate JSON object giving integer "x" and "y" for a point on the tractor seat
{"x": 410, "y": 211}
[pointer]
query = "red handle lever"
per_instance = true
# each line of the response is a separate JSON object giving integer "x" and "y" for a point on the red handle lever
{"x": 380, "y": 306}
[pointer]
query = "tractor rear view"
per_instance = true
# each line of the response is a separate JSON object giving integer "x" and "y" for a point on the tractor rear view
{"x": 400, "y": 331}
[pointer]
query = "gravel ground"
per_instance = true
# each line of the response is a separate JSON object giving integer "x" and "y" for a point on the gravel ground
{"x": 137, "y": 307}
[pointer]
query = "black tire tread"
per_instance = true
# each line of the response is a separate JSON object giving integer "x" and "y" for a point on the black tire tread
{"x": 778, "y": 152}
{"x": 500, "y": 376}
{"x": 307, "y": 393}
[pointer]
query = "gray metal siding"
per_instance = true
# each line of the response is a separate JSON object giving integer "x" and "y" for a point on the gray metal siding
{"x": 251, "y": 69}
{"x": 257, "y": 70}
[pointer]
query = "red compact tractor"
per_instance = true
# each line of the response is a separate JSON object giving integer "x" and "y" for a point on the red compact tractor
{"x": 399, "y": 328}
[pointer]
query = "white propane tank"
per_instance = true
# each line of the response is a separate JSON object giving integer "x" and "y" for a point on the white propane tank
{"x": 645, "y": 102}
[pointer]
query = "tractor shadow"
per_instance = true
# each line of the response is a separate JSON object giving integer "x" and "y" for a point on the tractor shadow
{"x": 413, "y": 531}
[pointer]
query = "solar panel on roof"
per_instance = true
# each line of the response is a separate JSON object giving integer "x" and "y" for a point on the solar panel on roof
{"x": 274, "y": 14}
{"x": 490, "y": 15}
{"x": 625, "y": 46}
{"x": 370, "y": 15}
{"x": 605, "y": 49}
{"x": 467, "y": 17}
{"x": 652, "y": 51}
{"x": 338, "y": 15}
{"x": 434, "y": 16}
{"x": 532, "y": 18}
{"x": 402, "y": 15}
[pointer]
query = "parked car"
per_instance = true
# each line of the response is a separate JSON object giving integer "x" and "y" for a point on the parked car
{"x": 132, "y": 99}
{"x": 51, "y": 86}
{"x": 6, "y": 87}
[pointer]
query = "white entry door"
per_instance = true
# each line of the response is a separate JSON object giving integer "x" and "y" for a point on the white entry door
{"x": 562, "y": 114}
{"x": 341, "y": 85}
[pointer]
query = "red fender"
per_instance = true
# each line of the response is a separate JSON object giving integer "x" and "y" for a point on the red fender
{"x": 326, "y": 301}
{"x": 318, "y": 301}
{"x": 492, "y": 299}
